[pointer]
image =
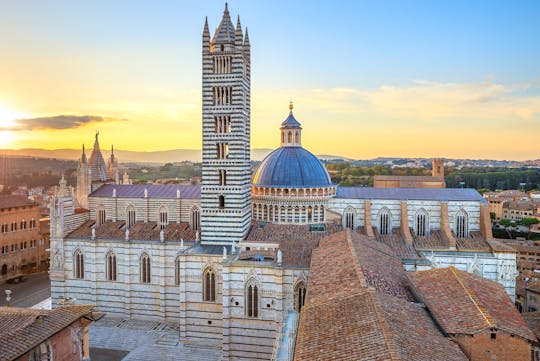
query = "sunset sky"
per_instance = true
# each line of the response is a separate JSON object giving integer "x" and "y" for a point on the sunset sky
{"x": 368, "y": 78}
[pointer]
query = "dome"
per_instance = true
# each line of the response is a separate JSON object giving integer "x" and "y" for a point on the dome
{"x": 293, "y": 167}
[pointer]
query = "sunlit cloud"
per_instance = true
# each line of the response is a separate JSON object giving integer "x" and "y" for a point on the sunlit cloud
{"x": 56, "y": 122}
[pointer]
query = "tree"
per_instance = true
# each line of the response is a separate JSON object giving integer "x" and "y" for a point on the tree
{"x": 505, "y": 222}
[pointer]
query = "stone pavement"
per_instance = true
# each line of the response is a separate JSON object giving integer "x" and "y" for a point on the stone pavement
{"x": 147, "y": 340}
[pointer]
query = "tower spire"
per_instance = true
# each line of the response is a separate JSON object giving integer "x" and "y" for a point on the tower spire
{"x": 238, "y": 36}
{"x": 206, "y": 36}
{"x": 83, "y": 156}
{"x": 96, "y": 143}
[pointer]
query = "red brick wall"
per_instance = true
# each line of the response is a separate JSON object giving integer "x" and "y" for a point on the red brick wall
{"x": 504, "y": 348}
{"x": 66, "y": 344}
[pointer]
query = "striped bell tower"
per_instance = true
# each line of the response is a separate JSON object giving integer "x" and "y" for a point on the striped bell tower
{"x": 226, "y": 168}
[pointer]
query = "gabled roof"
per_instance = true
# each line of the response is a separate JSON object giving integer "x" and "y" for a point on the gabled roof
{"x": 22, "y": 329}
{"x": 225, "y": 32}
{"x": 463, "y": 303}
{"x": 348, "y": 316}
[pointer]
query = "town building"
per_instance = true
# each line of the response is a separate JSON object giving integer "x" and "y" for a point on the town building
{"x": 60, "y": 334}
{"x": 23, "y": 247}
{"x": 436, "y": 180}
{"x": 228, "y": 260}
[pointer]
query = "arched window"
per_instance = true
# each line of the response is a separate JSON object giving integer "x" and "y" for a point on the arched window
{"x": 349, "y": 218}
{"x": 177, "y": 271}
{"x": 299, "y": 295}
{"x": 4, "y": 269}
{"x": 421, "y": 223}
{"x": 78, "y": 264}
{"x": 23, "y": 224}
{"x": 221, "y": 201}
{"x": 131, "y": 216}
{"x": 209, "y": 285}
{"x": 195, "y": 218}
{"x": 252, "y": 299}
{"x": 163, "y": 219}
{"x": 289, "y": 137}
{"x": 145, "y": 268}
{"x": 462, "y": 224}
{"x": 385, "y": 221}
{"x": 110, "y": 266}
{"x": 42, "y": 352}
{"x": 101, "y": 216}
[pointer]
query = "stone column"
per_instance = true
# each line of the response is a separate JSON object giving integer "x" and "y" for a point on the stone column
{"x": 445, "y": 226}
{"x": 485, "y": 222}
{"x": 404, "y": 223}
{"x": 367, "y": 219}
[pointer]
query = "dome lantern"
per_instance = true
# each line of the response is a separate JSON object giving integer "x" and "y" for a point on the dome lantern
{"x": 291, "y": 131}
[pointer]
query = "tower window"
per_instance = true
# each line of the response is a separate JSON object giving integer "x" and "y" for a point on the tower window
{"x": 385, "y": 221}
{"x": 101, "y": 216}
{"x": 195, "y": 218}
{"x": 222, "y": 95}
{"x": 177, "y": 271}
{"x": 349, "y": 218}
{"x": 462, "y": 226}
{"x": 422, "y": 223}
{"x": 221, "y": 201}
{"x": 299, "y": 296}
{"x": 163, "y": 217}
{"x": 209, "y": 285}
{"x": 110, "y": 266}
{"x": 131, "y": 216}
{"x": 78, "y": 264}
{"x": 222, "y": 177}
{"x": 252, "y": 299}
{"x": 222, "y": 150}
{"x": 145, "y": 269}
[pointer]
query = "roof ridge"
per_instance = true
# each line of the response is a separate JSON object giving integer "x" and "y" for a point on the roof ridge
{"x": 357, "y": 266}
{"x": 385, "y": 328}
{"x": 474, "y": 298}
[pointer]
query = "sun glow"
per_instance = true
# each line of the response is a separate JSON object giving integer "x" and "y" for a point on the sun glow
{"x": 8, "y": 121}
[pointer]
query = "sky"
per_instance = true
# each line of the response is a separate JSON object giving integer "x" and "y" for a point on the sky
{"x": 456, "y": 79}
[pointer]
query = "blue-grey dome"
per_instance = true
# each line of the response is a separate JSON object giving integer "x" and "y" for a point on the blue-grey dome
{"x": 292, "y": 167}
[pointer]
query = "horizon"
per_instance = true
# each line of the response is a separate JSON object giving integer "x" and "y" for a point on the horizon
{"x": 466, "y": 85}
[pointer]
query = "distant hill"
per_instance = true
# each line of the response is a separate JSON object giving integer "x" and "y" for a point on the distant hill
{"x": 124, "y": 156}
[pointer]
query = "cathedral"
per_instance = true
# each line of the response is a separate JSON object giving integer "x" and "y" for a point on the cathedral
{"x": 228, "y": 260}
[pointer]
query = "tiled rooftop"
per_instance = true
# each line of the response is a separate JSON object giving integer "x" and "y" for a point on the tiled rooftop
{"x": 22, "y": 329}
{"x": 295, "y": 241}
{"x": 463, "y": 303}
{"x": 9, "y": 201}
{"x": 344, "y": 279}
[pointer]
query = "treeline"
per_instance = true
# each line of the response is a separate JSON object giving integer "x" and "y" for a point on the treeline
{"x": 483, "y": 178}
{"x": 346, "y": 175}
{"x": 181, "y": 171}
{"x": 495, "y": 178}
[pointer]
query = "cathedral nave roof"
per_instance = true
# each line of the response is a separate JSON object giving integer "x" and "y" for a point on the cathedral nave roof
{"x": 153, "y": 191}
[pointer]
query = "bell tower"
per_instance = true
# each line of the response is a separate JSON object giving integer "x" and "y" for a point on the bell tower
{"x": 226, "y": 167}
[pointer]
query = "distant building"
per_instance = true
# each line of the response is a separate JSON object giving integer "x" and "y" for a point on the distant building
{"x": 23, "y": 248}
{"x": 435, "y": 181}
{"x": 34, "y": 335}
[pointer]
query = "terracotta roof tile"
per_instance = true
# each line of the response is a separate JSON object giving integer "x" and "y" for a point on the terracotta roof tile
{"x": 9, "y": 201}
{"x": 464, "y": 303}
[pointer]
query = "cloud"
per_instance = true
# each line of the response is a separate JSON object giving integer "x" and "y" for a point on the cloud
{"x": 56, "y": 122}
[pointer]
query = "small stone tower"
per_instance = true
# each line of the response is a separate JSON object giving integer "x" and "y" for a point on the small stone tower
{"x": 112, "y": 167}
{"x": 84, "y": 181}
{"x": 437, "y": 167}
{"x": 226, "y": 168}
{"x": 291, "y": 131}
